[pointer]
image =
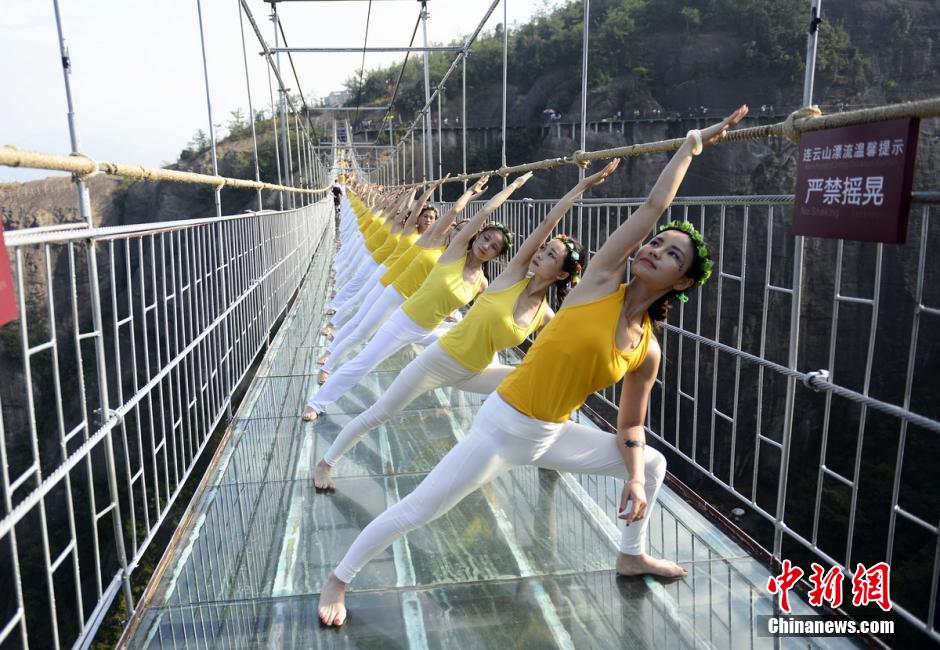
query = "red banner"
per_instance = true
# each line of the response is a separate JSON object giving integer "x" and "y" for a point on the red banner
{"x": 855, "y": 182}
{"x": 8, "y": 310}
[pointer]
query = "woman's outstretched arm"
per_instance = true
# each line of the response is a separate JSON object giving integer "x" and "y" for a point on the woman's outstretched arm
{"x": 458, "y": 245}
{"x": 606, "y": 268}
{"x": 434, "y": 235}
{"x": 542, "y": 232}
{"x": 401, "y": 210}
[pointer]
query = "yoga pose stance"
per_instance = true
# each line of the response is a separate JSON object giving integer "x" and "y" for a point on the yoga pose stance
{"x": 453, "y": 282}
{"x": 398, "y": 284}
{"x": 601, "y": 334}
{"x": 503, "y": 316}
{"x": 411, "y": 223}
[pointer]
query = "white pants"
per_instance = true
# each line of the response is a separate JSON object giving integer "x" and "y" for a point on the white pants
{"x": 351, "y": 306}
{"x": 501, "y": 439}
{"x": 363, "y": 330}
{"x": 396, "y": 333}
{"x": 366, "y": 269}
{"x": 357, "y": 253}
{"x": 348, "y": 269}
{"x": 432, "y": 369}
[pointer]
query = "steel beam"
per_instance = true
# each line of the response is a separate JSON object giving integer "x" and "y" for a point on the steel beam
{"x": 357, "y": 50}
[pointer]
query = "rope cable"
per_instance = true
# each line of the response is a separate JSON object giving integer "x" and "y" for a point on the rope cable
{"x": 800, "y": 121}
{"x": 83, "y": 165}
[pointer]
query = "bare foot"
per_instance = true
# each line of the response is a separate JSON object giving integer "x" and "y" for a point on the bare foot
{"x": 332, "y": 607}
{"x": 328, "y": 330}
{"x": 324, "y": 358}
{"x": 635, "y": 565}
{"x": 321, "y": 477}
{"x": 309, "y": 414}
{"x": 322, "y": 376}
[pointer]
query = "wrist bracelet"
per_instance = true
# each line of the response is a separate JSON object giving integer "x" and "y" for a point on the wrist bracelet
{"x": 697, "y": 137}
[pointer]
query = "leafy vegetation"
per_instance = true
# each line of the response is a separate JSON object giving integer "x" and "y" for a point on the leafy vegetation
{"x": 629, "y": 43}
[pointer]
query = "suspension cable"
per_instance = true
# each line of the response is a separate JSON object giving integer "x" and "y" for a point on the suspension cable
{"x": 401, "y": 74}
{"x": 251, "y": 109}
{"x": 362, "y": 65}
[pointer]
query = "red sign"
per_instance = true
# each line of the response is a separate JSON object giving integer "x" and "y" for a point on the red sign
{"x": 854, "y": 182}
{"x": 8, "y": 310}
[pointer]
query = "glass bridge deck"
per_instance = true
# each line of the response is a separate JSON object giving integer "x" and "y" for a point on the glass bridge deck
{"x": 524, "y": 563}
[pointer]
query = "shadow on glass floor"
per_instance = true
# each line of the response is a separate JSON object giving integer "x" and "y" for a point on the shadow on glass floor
{"x": 525, "y": 562}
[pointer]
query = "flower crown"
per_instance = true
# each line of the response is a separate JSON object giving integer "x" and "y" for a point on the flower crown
{"x": 701, "y": 248}
{"x": 495, "y": 225}
{"x": 573, "y": 254}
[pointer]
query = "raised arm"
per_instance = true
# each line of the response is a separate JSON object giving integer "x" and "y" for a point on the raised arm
{"x": 458, "y": 244}
{"x": 412, "y": 213}
{"x": 606, "y": 268}
{"x": 400, "y": 212}
{"x": 419, "y": 206}
{"x": 542, "y": 232}
{"x": 435, "y": 234}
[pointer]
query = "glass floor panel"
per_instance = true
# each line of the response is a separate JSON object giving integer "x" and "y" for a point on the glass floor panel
{"x": 526, "y": 562}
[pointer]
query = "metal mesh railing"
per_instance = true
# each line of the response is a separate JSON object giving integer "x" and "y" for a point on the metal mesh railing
{"x": 832, "y": 466}
{"x": 133, "y": 341}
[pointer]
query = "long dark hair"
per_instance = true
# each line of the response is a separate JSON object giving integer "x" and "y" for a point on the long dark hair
{"x": 575, "y": 263}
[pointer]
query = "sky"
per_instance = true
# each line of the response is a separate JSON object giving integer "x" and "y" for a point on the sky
{"x": 137, "y": 77}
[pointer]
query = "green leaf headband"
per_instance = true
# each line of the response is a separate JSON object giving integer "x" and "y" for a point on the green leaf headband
{"x": 701, "y": 248}
{"x": 573, "y": 254}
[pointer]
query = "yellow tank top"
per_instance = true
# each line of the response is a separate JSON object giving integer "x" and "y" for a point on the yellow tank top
{"x": 414, "y": 276}
{"x": 374, "y": 226}
{"x": 489, "y": 327}
{"x": 383, "y": 251}
{"x": 377, "y": 238}
{"x": 404, "y": 243}
{"x": 442, "y": 292}
{"x": 574, "y": 356}
{"x": 402, "y": 263}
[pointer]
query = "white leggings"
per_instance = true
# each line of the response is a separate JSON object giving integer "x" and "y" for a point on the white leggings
{"x": 396, "y": 333}
{"x": 351, "y": 306}
{"x": 501, "y": 439}
{"x": 432, "y": 369}
{"x": 366, "y": 269}
{"x": 351, "y": 245}
{"x": 366, "y": 327}
{"x": 350, "y": 267}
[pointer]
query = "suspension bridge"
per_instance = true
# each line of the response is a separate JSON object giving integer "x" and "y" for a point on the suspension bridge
{"x": 151, "y": 355}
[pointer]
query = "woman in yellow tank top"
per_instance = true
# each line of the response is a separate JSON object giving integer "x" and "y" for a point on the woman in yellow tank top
{"x": 389, "y": 295}
{"x": 452, "y": 283}
{"x": 511, "y": 308}
{"x": 601, "y": 331}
